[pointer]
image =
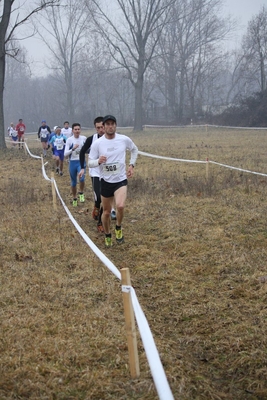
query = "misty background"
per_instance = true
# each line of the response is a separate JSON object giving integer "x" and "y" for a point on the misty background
{"x": 181, "y": 62}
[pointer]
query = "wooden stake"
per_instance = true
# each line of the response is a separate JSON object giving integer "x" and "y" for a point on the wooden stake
{"x": 207, "y": 169}
{"x": 54, "y": 192}
{"x": 130, "y": 325}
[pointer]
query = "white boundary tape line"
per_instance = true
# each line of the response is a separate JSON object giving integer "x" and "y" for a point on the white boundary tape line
{"x": 187, "y": 126}
{"x": 202, "y": 162}
{"x": 203, "y": 126}
{"x": 152, "y": 354}
{"x": 32, "y": 155}
{"x": 234, "y": 127}
{"x": 170, "y": 158}
{"x": 237, "y": 169}
{"x": 44, "y": 171}
{"x": 9, "y": 140}
{"x": 165, "y": 126}
{"x": 91, "y": 244}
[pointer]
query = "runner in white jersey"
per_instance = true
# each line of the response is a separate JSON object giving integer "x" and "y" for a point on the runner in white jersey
{"x": 12, "y": 133}
{"x": 95, "y": 174}
{"x": 44, "y": 132}
{"x": 72, "y": 149}
{"x": 109, "y": 152}
{"x": 66, "y": 130}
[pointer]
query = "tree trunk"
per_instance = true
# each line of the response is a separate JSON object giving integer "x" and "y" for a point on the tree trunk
{"x": 262, "y": 72}
{"x": 2, "y": 80}
{"x": 171, "y": 88}
{"x": 70, "y": 110}
{"x": 192, "y": 107}
{"x": 181, "y": 97}
{"x": 3, "y": 28}
{"x": 138, "y": 112}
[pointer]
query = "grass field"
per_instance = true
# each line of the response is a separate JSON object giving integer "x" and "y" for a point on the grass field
{"x": 196, "y": 247}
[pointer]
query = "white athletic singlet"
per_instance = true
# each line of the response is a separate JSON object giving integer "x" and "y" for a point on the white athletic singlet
{"x": 74, "y": 155}
{"x": 67, "y": 132}
{"x": 114, "y": 169}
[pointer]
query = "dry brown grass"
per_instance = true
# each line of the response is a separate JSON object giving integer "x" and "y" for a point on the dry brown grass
{"x": 197, "y": 253}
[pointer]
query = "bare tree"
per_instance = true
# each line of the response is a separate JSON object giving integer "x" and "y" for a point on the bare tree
{"x": 131, "y": 34}
{"x": 17, "y": 78}
{"x": 255, "y": 47}
{"x": 190, "y": 44}
{"x": 7, "y": 33}
{"x": 64, "y": 30}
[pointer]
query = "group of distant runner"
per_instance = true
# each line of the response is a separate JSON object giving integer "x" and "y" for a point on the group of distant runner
{"x": 106, "y": 161}
{"x": 17, "y": 132}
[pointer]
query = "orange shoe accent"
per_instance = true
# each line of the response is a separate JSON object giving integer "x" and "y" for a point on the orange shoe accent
{"x": 95, "y": 213}
{"x": 100, "y": 228}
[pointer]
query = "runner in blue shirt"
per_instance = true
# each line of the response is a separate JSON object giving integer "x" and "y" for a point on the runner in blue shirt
{"x": 58, "y": 142}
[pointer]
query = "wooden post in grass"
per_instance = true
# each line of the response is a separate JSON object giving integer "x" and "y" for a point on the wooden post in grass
{"x": 54, "y": 191}
{"x": 207, "y": 169}
{"x": 130, "y": 324}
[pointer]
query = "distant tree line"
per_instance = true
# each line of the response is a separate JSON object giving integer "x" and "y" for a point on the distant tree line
{"x": 150, "y": 62}
{"x": 250, "y": 111}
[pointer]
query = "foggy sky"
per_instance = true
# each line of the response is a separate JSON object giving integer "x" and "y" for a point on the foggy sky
{"x": 241, "y": 10}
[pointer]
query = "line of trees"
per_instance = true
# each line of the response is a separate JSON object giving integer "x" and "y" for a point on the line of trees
{"x": 146, "y": 61}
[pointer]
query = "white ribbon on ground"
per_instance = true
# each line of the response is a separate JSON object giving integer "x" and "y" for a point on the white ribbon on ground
{"x": 201, "y": 162}
{"x": 203, "y": 126}
{"x": 91, "y": 244}
{"x": 169, "y": 158}
{"x": 152, "y": 354}
{"x": 237, "y": 169}
{"x": 32, "y": 155}
{"x": 44, "y": 171}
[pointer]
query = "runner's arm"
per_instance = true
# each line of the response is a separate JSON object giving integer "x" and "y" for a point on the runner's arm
{"x": 134, "y": 154}
{"x": 68, "y": 148}
{"x": 84, "y": 149}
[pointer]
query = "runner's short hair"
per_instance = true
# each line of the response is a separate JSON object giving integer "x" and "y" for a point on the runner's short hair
{"x": 98, "y": 119}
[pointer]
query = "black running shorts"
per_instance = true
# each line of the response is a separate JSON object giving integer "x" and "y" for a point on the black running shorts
{"x": 108, "y": 189}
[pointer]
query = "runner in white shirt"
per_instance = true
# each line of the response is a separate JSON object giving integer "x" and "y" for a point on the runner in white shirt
{"x": 12, "y": 133}
{"x": 72, "y": 149}
{"x": 44, "y": 132}
{"x": 95, "y": 174}
{"x": 109, "y": 152}
{"x": 66, "y": 130}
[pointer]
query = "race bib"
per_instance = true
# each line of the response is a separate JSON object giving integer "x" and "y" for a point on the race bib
{"x": 59, "y": 144}
{"x": 111, "y": 169}
{"x": 43, "y": 135}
